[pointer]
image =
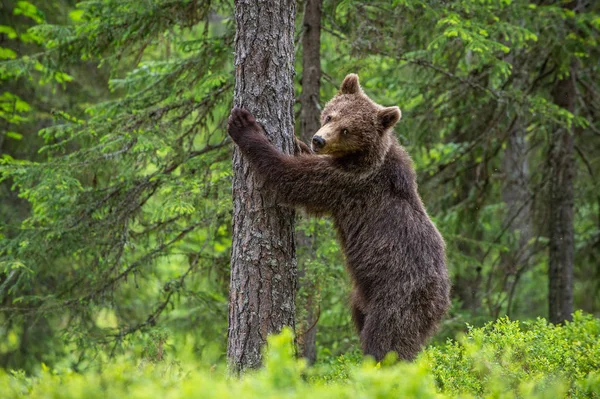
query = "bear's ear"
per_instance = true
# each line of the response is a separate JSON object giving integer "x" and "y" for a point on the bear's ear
{"x": 350, "y": 85}
{"x": 389, "y": 116}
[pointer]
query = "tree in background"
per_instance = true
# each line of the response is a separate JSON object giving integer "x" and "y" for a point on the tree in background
{"x": 263, "y": 259}
{"x": 33, "y": 97}
{"x": 561, "y": 158}
{"x": 126, "y": 218}
{"x": 115, "y": 203}
{"x": 310, "y": 113}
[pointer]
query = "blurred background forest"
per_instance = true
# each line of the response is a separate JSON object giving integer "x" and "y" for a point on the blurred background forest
{"x": 116, "y": 172}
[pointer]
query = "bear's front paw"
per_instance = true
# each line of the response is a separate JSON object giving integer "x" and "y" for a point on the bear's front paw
{"x": 241, "y": 122}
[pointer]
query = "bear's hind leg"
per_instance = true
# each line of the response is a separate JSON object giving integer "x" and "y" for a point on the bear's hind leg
{"x": 389, "y": 331}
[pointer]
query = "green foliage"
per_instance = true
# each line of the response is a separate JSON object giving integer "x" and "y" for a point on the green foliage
{"x": 115, "y": 179}
{"x": 130, "y": 202}
{"x": 522, "y": 357}
{"x": 504, "y": 359}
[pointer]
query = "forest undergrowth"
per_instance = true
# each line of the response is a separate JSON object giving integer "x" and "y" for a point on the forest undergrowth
{"x": 504, "y": 359}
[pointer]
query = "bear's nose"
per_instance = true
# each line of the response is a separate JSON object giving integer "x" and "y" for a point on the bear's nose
{"x": 318, "y": 142}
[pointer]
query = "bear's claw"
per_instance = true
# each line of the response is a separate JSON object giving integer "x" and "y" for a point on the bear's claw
{"x": 240, "y": 122}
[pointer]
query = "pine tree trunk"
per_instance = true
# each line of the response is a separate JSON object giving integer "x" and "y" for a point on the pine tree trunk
{"x": 310, "y": 123}
{"x": 263, "y": 260}
{"x": 517, "y": 197}
{"x": 311, "y": 70}
{"x": 562, "y": 169}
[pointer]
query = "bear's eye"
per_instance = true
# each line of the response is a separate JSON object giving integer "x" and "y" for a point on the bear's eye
{"x": 327, "y": 118}
{"x": 345, "y": 132}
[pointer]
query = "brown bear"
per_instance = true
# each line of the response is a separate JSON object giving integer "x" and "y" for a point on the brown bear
{"x": 363, "y": 178}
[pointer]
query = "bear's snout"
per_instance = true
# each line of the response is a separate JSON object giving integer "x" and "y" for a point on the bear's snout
{"x": 318, "y": 142}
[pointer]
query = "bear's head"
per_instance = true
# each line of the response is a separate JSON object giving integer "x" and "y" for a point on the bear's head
{"x": 354, "y": 126}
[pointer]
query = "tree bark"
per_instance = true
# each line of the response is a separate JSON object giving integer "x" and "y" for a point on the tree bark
{"x": 263, "y": 260}
{"x": 517, "y": 197}
{"x": 311, "y": 70}
{"x": 309, "y": 123}
{"x": 562, "y": 170}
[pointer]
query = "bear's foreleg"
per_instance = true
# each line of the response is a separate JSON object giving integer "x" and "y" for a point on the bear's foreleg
{"x": 303, "y": 180}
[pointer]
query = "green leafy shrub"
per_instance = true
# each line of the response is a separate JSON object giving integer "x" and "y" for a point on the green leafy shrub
{"x": 503, "y": 359}
{"x": 519, "y": 357}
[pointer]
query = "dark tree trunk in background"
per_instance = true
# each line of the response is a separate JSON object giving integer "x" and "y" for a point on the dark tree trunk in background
{"x": 309, "y": 124}
{"x": 263, "y": 259}
{"x": 517, "y": 197}
{"x": 311, "y": 70}
{"x": 468, "y": 277}
{"x": 562, "y": 170}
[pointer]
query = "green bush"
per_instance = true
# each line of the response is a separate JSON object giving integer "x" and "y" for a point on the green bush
{"x": 521, "y": 357}
{"x": 503, "y": 359}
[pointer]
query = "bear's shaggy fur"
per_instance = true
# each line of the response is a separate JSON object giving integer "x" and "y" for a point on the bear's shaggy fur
{"x": 363, "y": 178}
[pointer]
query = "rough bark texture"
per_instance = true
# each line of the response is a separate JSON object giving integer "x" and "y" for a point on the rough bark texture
{"x": 263, "y": 260}
{"x": 310, "y": 123}
{"x": 562, "y": 169}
